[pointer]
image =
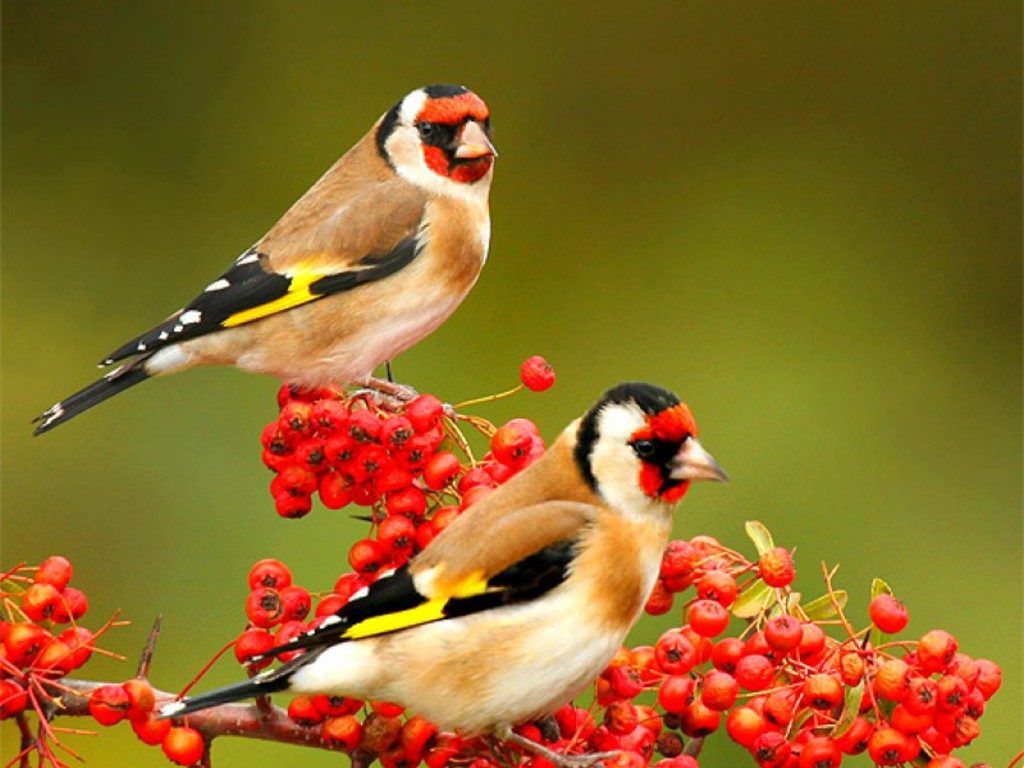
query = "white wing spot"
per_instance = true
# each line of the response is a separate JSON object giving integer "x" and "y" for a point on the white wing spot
{"x": 141, "y": 347}
{"x": 358, "y": 595}
{"x": 190, "y": 317}
{"x": 178, "y": 328}
{"x": 248, "y": 257}
{"x": 163, "y": 336}
{"x": 332, "y": 619}
{"x": 218, "y": 285}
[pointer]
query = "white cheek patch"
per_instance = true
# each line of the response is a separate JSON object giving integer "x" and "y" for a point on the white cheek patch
{"x": 412, "y": 105}
{"x": 614, "y": 463}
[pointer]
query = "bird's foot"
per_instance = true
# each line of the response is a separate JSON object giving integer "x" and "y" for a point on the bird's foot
{"x": 391, "y": 395}
{"x": 559, "y": 759}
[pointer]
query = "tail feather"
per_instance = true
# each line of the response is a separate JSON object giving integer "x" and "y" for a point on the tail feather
{"x": 269, "y": 681}
{"x": 112, "y": 383}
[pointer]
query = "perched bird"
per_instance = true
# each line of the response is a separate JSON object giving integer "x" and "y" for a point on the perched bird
{"x": 376, "y": 255}
{"x": 523, "y": 600}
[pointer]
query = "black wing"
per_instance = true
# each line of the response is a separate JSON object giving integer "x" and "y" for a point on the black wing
{"x": 250, "y": 291}
{"x": 392, "y": 604}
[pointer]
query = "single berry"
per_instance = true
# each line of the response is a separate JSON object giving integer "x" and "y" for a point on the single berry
{"x": 888, "y": 614}
{"x": 537, "y": 374}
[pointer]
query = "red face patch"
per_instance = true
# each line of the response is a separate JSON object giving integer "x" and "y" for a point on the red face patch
{"x": 672, "y": 425}
{"x": 452, "y": 110}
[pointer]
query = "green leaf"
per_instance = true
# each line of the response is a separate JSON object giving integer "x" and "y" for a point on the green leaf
{"x": 880, "y": 587}
{"x": 822, "y": 608}
{"x": 752, "y": 600}
{"x": 851, "y": 708}
{"x": 760, "y": 536}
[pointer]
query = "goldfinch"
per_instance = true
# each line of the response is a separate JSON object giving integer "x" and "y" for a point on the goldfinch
{"x": 376, "y": 255}
{"x": 522, "y": 601}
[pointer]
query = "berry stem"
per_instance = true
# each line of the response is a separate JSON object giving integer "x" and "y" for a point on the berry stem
{"x": 488, "y": 398}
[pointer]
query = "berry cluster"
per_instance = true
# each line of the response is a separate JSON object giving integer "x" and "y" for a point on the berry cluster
{"x": 399, "y": 460}
{"x": 788, "y": 692}
{"x": 135, "y": 702}
{"x": 41, "y": 640}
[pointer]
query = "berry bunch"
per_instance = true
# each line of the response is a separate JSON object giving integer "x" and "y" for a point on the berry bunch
{"x": 398, "y": 460}
{"x": 788, "y": 692}
{"x": 41, "y": 640}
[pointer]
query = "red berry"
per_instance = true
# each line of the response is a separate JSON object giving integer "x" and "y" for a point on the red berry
{"x": 511, "y": 444}
{"x": 887, "y": 746}
{"x": 625, "y": 682}
{"x": 820, "y": 752}
{"x": 708, "y": 618}
{"x": 183, "y": 746}
{"x": 783, "y": 633}
{"x": 892, "y": 680}
{"x": 340, "y": 449}
{"x": 336, "y": 706}
{"x": 269, "y": 573}
{"x": 149, "y": 729}
{"x": 291, "y": 506}
{"x": 141, "y": 698}
{"x": 719, "y": 586}
{"x": 822, "y": 691}
{"x": 755, "y": 672}
{"x": 13, "y": 699}
{"x": 726, "y": 653}
{"x": 779, "y": 707}
{"x": 416, "y": 734}
{"x": 335, "y": 490}
{"x": 395, "y": 432}
{"x": 424, "y": 412}
{"x": 904, "y": 721}
{"x": 329, "y": 416}
{"x": 397, "y": 535}
{"x": 744, "y": 725}
{"x": 39, "y": 601}
{"x": 699, "y": 720}
{"x": 79, "y": 640}
{"x": 620, "y": 717}
{"x": 770, "y": 750}
{"x": 660, "y": 600}
{"x": 776, "y": 567}
{"x": 990, "y": 677}
{"x": 363, "y": 426}
{"x": 253, "y": 642}
{"x": 855, "y": 739}
{"x": 71, "y": 605}
{"x": 675, "y": 692}
{"x": 23, "y": 642}
{"x": 367, "y": 556}
{"x": 296, "y": 419}
{"x": 952, "y": 693}
{"x": 812, "y": 641}
{"x": 888, "y": 614}
{"x": 55, "y": 571}
{"x": 348, "y": 584}
{"x": 936, "y": 650}
{"x": 288, "y": 631}
{"x": 719, "y": 691}
{"x": 303, "y": 711}
{"x": 440, "y": 470}
{"x": 392, "y": 477}
{"x": 409, "y": 501}
{"x": 537, "y": 374}
{"x": 295, "y": 603}
{"x": 674, "y": 653}
{"x": 443, "y": 517}
{"x": 264, "y": 607}
{"x": 108, "y": 704}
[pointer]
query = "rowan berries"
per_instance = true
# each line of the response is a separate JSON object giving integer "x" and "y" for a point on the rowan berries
{"x": 783, "y": 633}
{"x": 55, "y": 571}
{"x": 269, "y": 573}
{"x": 888, "y": 614}
{"x": 109, "y": 704}
{"x": 149, "y": 729}
{"x": 935, "y": 650}
{"x": 776, "y": 567}
{"x": 183, "y": 746}
{"x": 754, "y": 672}
{"x": 537, "y": 374}
{"x": 708, "y": 618}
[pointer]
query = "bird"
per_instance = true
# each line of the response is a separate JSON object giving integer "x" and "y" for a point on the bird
{"x": 371, "y": 259}
{"x": 521, "y": 602}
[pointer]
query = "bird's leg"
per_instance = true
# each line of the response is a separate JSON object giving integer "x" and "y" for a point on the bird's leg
{"x": 563, "y": 761}
{"x": 391, "y": 389}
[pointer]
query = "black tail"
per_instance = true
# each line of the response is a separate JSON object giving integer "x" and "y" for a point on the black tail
{"x": 111, "y": 384}
{"x": 269, "y": 681}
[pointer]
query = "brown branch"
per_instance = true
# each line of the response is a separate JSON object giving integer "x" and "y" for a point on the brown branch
{"x": 243, "y": 720}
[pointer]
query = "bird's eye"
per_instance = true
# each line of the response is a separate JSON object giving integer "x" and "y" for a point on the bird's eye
{"x": 644, "y": 448}
{"x": 426, "y": 129}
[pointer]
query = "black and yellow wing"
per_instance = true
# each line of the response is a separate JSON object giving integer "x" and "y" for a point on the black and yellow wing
{"x": 393, "y": 603}
{"x": 251, "y": 290}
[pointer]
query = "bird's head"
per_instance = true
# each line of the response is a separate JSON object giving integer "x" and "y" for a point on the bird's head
{"x": 638, "y": 447}
{"x": 438, "y": 137}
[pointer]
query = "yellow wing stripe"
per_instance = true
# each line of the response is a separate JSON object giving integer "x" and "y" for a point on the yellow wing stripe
{"x": 298, "y": 294}
{"x": 431, "y": 610}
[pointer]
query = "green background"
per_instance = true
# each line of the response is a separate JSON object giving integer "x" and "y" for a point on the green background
{"x": 805, "y": 217}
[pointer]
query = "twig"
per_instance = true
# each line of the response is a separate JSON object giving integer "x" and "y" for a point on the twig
{"x": 694, "y": 746}
{"x": 147, "y": 652}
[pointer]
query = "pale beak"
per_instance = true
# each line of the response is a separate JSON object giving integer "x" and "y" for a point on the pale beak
{"x": 694, "y": 463}
{"x": 473, "y": 143}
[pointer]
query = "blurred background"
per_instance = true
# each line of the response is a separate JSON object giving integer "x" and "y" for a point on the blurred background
{"x": 804, "y": 217}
